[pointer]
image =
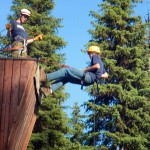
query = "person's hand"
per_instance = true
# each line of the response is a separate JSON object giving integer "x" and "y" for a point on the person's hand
{"x": 8, "y": 27}
{"x": 104, "y": 75}
{"x": 39, "y": 37}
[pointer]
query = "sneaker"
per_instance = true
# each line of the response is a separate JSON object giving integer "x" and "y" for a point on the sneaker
{"x": 46, "y": 91}
{"x": 43, "y": 77}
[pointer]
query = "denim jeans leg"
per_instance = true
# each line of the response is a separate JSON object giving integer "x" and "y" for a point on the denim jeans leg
{"x": 58, "y": 84}
{"x": 65, "y": 75}
{"x": 54, "y": 87}
{"x": 87, "y": 79}
{"x": 70, "y": 73}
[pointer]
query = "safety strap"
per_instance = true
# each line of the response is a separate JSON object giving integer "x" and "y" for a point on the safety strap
{"x": 19, "y": 39}
{"x": 82, "y": 80}
{"x": 97, "y": 88}
{"x": 23, "y": 40}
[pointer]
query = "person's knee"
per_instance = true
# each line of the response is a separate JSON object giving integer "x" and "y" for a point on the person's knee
{"x": 88, "y": 79}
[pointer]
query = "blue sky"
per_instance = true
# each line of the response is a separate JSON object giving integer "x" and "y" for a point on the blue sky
{"x": 76, "y": 24}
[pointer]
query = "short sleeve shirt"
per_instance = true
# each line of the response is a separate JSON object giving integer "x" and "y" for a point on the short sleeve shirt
{"x": 97, "y": 73}
{"x": 18, "y": 29}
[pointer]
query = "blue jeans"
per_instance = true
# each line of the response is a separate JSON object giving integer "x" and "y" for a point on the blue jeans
{"x": 66, "y": 75}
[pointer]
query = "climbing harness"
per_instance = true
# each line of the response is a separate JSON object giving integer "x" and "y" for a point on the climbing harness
{"x": 17, "y": 48}
{"x": 97, "y": 81}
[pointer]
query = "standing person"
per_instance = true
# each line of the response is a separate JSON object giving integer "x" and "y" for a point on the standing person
{"x": 84, "y": 77}
{"x": 19, "y": 35}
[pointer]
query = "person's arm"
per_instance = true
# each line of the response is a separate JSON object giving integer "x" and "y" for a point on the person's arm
{"x": 37, "y": 38}
{"x": 30, "y": 41}
{"x": 92, "y": 68}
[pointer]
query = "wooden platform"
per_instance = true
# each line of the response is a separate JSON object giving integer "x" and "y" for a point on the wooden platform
{"x": 18, "y": 102}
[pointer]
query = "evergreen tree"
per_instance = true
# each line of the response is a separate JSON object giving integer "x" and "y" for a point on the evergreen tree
{"x": 51, "y": 125}
{"x": 77, "y": 124}
{"x": 119, "y": 113}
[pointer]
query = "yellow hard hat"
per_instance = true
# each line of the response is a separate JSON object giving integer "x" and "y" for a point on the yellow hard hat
{"x": 25, "y": 12}
{"x": 93, "y": 49}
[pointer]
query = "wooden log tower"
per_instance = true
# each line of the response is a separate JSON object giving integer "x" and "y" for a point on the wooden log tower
{"x": 18, "y": 101}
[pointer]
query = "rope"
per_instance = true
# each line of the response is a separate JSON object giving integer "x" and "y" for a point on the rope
{"x": 52, "y": 63}
{"x": 94, "y": 125}
{"x": 2, "y": 30}
{"x": 12, "y": 49}
{"x": 97, "y": 93}
{"x": 40, "y": 60}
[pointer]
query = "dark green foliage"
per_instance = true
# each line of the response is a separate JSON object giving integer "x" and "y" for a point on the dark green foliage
{"x": 77, "y": 135}
{"x": 119, "y": 114}
{"x": 78, "y": 125}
